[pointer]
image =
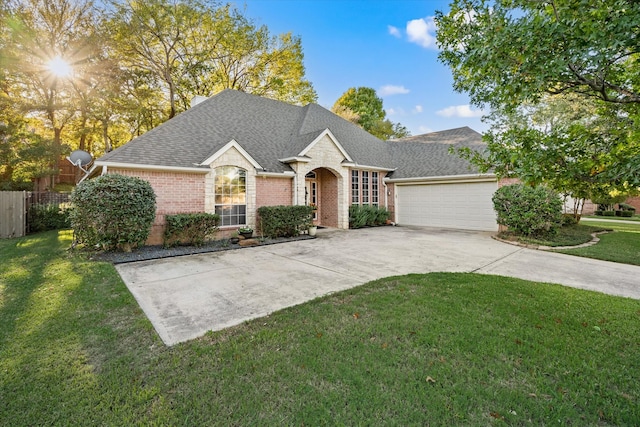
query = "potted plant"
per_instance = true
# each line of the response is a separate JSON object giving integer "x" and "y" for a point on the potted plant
{"x": 234, "y": 238}
{"x": 313, "y": 229}
{"x": 245, "y": 232}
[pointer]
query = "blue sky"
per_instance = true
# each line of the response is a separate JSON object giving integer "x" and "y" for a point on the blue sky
{"x": 388, "y": 45}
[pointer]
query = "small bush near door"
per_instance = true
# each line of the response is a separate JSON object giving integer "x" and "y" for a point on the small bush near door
{"x": 190, "y": 229}
{"x": 367, "y": 216}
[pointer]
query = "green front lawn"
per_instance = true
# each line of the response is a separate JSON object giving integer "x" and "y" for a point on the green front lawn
{"x": 435, "y": 349}
{"x": 623, "y": 245}
{"x": 622, "y": 218}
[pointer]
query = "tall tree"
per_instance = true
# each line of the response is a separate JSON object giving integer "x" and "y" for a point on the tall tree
{"x": 512, "y": 53}
{"x": 364, "y": 107}
{"x": 566, "y": 142}
{"x": 47, "y": 39}
{"x": 194, "y": 48}
{"x": 505, "y": 52}
{"x": 156, "y": 35}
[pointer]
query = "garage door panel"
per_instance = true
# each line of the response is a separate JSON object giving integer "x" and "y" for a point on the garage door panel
{"x": 461, "y": 205}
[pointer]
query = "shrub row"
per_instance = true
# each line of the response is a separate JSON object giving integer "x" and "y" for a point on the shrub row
{"x": 622, "y": 213}
{"x": 49, "y": 216}
{"x": 284, "y": 221}
{"x": 365, "y": 215}
{"x": 190, "y": 228}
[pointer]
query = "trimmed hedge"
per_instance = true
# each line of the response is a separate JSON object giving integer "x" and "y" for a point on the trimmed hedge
{"x": 189, "y": 228}
{"x": 113, "y": 211}
{"x": 528, "y": 211}
{"x": 367, "y": 216}
{"x": 284, "y": 221}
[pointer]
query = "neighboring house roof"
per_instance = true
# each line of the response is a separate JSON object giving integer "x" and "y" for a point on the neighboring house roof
{"x": 270, "y": 130}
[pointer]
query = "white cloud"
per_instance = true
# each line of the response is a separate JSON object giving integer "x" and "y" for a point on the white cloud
{"x": 418, "y": 109}
{"x": 394, "y": 31}
{"x": 460, "y": 111}
{"x": 422, "y": 32}
{"x": 425, "y": 129}
{"x": 391, "y": 111}
{"x": 392, "y": 90}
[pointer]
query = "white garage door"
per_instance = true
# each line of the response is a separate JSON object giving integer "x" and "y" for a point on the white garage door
{"x": 465, "y": 206}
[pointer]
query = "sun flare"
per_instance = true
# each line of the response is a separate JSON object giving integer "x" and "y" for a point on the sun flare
{"x": 59, "y": 67}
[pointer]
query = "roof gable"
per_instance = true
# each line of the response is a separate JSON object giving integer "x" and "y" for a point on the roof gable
{"x": 318, "y": 137}
{"x": 233, "y": 144}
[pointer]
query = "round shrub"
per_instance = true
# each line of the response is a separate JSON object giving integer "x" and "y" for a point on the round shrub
{"x": 113, "y": 211}
{"x": 528, "y": 211}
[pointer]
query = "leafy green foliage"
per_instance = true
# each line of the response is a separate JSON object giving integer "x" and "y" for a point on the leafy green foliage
{"x": 507, "y": 52}
{"x": 283, "y": 221}
{"x": 363, "y": 107}
{"x": 113, "y": 211}
{"x": 570, "y": 144}
{"x": 528, "y": 210}
{"x": 48, "y": 216}
{"x": 512, "y": 55}
{"x": 191, "y": 228}
{"x": 367, "y": 216}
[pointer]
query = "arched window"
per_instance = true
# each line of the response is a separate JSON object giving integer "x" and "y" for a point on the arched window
{"x": 231, "y": 195}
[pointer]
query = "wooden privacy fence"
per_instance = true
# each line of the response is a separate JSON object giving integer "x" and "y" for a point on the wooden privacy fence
{"x": 14, "y": 209}
{"x": 13, "y": 213}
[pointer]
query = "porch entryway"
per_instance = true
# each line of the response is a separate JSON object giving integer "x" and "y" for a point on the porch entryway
{"x": 321, "y": 191}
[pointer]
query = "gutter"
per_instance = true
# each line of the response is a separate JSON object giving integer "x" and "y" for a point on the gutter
{"x": 444, "y": 179}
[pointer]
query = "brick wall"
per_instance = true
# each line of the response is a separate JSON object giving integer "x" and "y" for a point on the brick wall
{"x": 175, "y": 193}
{"x": 328, "y": 213}
{"x": 391, "y": 200}
{"x": 635, "y": 202}
{"x": 272, "y": 191}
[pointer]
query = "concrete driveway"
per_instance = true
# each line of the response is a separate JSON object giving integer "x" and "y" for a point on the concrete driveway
{"x": 185, "y": 297}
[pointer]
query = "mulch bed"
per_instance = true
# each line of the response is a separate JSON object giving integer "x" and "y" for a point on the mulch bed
{"x": 147, "y": 253}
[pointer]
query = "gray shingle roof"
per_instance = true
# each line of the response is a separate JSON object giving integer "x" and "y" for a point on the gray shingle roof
{"x": 270, "y": 130}
{"x": 428, "y": 155}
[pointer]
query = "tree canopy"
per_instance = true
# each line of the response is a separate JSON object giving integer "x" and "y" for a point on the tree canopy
{"x": 506, "y": 52}
{"x": 363, "y": 107}
{"x": 74, "y": 74}
{"x": 562, "y": 78}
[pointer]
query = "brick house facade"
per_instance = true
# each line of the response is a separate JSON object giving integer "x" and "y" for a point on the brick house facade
{"x": 234, "y": 153}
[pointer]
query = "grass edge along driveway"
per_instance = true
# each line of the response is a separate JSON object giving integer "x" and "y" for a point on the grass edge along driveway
{"x": 440, "y": 349}
{"x": 623, "y": 245}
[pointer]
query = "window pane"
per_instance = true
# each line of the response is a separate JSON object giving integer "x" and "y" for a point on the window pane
{"x": 365, "y": 187}
{"x": 374, "y": 188}
{"x": 355, "y": 188}
{"x": 230, "y": 195}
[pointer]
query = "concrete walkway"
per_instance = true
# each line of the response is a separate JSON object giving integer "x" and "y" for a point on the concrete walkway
{"x": 185, "y": 297}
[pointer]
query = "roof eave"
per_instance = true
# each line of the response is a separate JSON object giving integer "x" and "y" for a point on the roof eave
{"x": 444, "y": 178}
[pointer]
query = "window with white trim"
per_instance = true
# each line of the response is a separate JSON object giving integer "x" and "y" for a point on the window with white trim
{"x": 355, "y": 188}
{"x": 230, "y": 184}
{"x": 374, "y": 188}
{"x": 365, "y": 187}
